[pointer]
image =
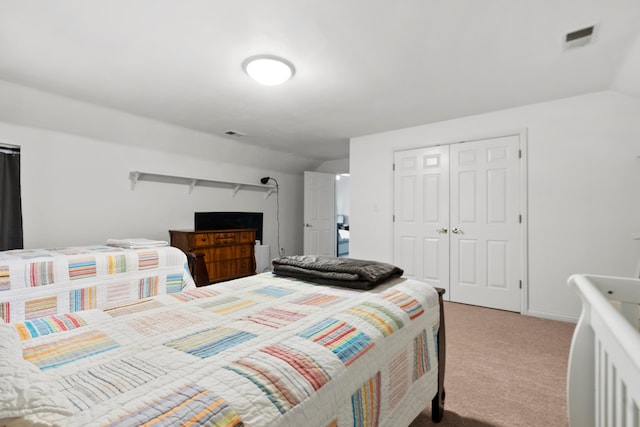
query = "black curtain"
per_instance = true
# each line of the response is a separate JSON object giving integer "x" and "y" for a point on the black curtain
{"x": 10, "y": 200}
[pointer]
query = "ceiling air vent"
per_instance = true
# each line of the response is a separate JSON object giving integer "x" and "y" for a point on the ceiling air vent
{"x": 579, "y": 37}
{"x": 234, "y": 133}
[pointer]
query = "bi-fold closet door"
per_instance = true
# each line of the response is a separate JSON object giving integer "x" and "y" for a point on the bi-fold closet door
{"x": 458, "y": 219}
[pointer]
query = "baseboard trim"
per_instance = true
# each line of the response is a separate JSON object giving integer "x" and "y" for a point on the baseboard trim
{"x": 551, "y": 316}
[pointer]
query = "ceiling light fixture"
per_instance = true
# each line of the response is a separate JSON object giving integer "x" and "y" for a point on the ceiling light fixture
{"x": 268, "y": 70}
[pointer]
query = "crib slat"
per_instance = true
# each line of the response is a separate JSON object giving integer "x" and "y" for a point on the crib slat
{"x": 630, "y": 419}
{"x": 621, "y": 402}
{"x": 601, "y": 385}
{"x": 612, "y": 398}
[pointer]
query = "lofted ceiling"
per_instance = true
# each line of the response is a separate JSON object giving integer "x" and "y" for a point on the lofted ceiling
{"x": 362, "y": 66}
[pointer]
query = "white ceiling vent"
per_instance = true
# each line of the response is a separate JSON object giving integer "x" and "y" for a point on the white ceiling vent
{"x": 578, "y": 38}
{"x": 234, "y": 133}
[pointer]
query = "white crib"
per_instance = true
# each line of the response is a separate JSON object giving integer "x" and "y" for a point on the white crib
{"x": 603, "y": 383}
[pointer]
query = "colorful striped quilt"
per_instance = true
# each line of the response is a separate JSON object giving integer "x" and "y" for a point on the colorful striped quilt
{"x": 46, "y": 282}
{"x": 257, "y": 351}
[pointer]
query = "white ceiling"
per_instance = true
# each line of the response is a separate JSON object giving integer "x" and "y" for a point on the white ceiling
{"x": 362, "y": 66}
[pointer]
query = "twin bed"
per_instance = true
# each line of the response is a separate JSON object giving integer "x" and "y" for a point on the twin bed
{"x": 107, "y": 336}
{"x": 111, "y": 336}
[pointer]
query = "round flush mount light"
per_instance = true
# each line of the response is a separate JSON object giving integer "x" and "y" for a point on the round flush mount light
{"x": 268, "y": 70}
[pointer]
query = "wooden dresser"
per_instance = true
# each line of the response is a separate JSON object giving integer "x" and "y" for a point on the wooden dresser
{"x": 227, "y": 254}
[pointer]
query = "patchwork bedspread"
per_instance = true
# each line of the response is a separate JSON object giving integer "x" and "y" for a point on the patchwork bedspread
{"x": 258, "y": 351}
{"x": 43, "y": 282}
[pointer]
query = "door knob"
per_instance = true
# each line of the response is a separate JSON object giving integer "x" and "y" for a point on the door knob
{"x": 442, "y": 230}
{"x": 457, "y": 231}
{"x": 307, "y": 225}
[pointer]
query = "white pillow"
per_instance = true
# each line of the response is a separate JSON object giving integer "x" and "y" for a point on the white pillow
{"x": 24, "y": 390}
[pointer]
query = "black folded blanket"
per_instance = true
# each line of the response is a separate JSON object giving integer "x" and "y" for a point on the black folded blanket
{"x": 325, "y": 270}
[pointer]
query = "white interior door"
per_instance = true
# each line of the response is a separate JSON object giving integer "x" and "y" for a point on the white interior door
{"x": 457, "y": 220}
{"x": 421, "y": 214}
{"x": 319, "y": 214}
{"x": 485, "y": 223}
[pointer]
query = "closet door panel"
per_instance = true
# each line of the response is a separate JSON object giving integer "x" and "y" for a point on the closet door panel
{"x": 485, "y": 210}
{"x": 409, "y": 256}
{"x": 432, "y": 209}
{"x": 497, "y": 196}
{"x": 467, "y": 211}
{"x": 421, "y": 214}
{"x": 497, "y": 264}
{"x": 467, "y": 266}
{"x": 409, "y": 193}
{"x": 433, "y": 259}
{"x": 456, "y": 219}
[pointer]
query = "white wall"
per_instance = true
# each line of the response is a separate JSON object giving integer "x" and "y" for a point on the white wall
{"x": 583, "y": 194}
{"x": 334, "y": 166}
{"x": 76, "y": 190}
{"x": 627, "y": 80}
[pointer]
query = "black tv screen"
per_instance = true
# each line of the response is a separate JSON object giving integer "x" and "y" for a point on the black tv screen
{"x": 229, "y": 221}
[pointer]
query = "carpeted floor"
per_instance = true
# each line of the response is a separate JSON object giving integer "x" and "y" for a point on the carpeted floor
{"x": 503, "y": 369}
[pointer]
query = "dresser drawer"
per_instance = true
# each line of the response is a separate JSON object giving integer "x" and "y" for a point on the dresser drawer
{"x": 243, "y": 251}
{"x": 222, "y": 270}
{"x": 222, "y": 253}
{"x": 199, "y": 240}
{"x": 244, "y": 267}
{"x": 246, "y": 236}
{"x": 223, "y": 238}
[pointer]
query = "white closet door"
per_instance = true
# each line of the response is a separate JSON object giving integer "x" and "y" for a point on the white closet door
{"x": 421, "y": 214}
{"x": 485, "y": 223}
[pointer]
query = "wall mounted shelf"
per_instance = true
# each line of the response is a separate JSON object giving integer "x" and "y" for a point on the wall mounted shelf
{"x": 136, "y": 176}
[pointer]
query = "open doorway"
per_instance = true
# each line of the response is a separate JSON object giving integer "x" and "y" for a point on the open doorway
{"x": 342, "y": 214}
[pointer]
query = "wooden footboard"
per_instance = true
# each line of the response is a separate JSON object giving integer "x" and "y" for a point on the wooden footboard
{"x": 603, "y": 382}
{"x": 437, "y": 404}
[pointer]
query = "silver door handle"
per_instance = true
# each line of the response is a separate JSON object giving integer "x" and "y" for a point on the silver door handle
{"x": 307, "y": 225}
{"x": 457, "y": 231}
{"x": 442, "y": 230}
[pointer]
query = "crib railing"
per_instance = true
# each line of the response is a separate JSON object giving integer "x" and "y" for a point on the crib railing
{"x": 603, "y": 383}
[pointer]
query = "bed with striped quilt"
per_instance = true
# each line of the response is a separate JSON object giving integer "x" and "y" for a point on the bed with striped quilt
{"x": 258, "y": 351}
{"x": 37, "y": 283}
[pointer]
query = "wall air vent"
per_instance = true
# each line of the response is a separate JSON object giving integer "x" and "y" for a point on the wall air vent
{"x": 234, "y": 133}
{"x": 578, "y": 38}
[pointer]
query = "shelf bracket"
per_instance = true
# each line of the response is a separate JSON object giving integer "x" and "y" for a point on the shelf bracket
{"x": 266, "y": 196}
{"x": 192, "y": 184}
{"x": 235, "y": 189}
{"x": 133, "y": 176}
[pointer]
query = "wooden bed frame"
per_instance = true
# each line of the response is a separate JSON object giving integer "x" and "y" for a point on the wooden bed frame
{"x": 437, "y": 404}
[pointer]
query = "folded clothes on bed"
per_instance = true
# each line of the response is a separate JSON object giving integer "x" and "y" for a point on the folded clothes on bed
{"x": 345, "y": 272}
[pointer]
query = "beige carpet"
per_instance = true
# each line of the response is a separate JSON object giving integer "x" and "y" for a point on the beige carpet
{"x": 503, "y": 369}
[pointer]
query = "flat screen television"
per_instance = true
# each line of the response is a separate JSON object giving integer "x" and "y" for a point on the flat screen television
{"x": 229, "y": 221}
